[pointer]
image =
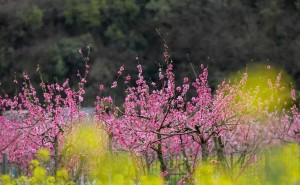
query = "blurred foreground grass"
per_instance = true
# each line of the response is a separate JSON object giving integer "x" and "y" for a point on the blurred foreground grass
{"x": 277, "y": 166}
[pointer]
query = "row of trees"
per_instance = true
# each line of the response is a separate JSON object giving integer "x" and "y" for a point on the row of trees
{"x": 160, "y": 120}
{"x": 226, "y": 35}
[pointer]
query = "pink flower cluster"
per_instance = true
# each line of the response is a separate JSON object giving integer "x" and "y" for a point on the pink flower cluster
{"x": 31, "y": 121}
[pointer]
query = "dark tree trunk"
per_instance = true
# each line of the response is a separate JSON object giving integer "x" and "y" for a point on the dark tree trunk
{"x": 163, "y": 166}
{"x": 186, "y": 161}
{"x": 205, "y": 151}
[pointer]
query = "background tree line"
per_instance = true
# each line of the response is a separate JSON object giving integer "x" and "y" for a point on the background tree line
{"x": 224, "y": 34}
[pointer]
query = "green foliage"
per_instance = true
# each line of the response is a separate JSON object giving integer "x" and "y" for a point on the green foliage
{"x": 87, "y": 15}
{"x": 33, "y": 19}
{"x": 119, "y": 16}
{"x": 114, "y": 33}
{"x": 4, "y": 54}
{"x": 57, "y": 60}
{"x": 90, "y": 15}
{"x": 123, "y": 10}
{"x": 65, "y": 58}
{"x": 158, "y": 5}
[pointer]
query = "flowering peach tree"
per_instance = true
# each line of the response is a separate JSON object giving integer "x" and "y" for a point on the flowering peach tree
{"x": 33, "y": 122}
{"x": 162, "y": 119}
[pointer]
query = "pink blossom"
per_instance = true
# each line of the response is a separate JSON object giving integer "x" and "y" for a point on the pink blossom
{"x": 101, "y": 87}
{"x": 114, "y": 85}
{"x": 66, "y": 83}
{"x": 128, "y": 78}
{"x": 121, "y": 70}
{"x": 140, "y": 70}
{"x": 185, "y": 80}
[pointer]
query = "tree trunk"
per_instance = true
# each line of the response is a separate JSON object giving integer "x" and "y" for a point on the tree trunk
{"x": 205, "y": 151}
{"x": 56, "y": 157}
{"x": 163, "y": 166}
{"x": 148, "y": 163}
{"x": 220, "y": 151}
{"x": 221, "y": 155}
{"x": 186, "y": 161}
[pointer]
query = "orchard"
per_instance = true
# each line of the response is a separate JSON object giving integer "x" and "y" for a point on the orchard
{"x": 165, "y": 131}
